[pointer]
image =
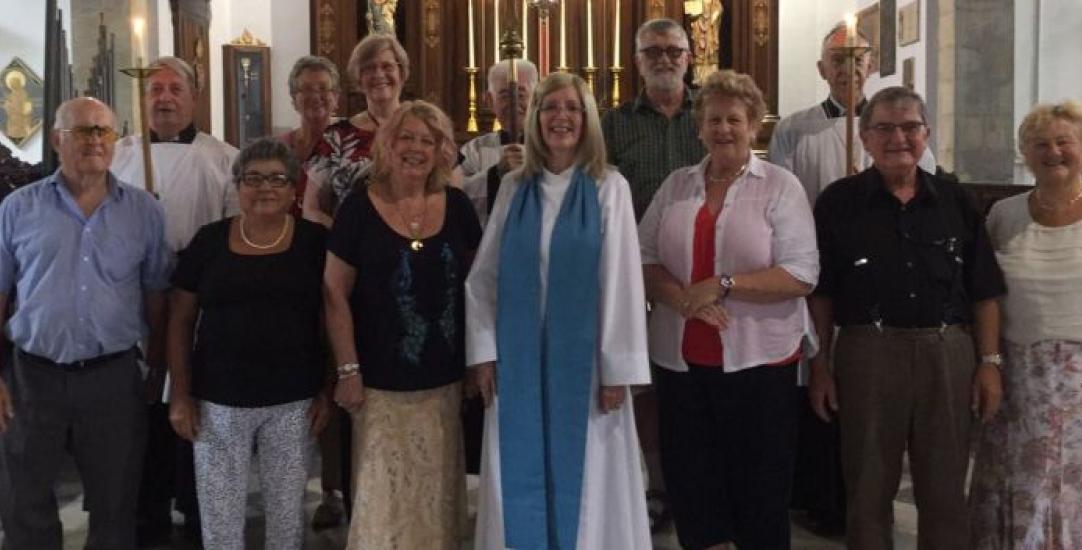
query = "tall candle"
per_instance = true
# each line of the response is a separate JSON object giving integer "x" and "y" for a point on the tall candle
{"x": 525, "y": 31}
{"x": 616, "y": 38}
{"x": 589, "y": 33}
{"x": 469, "y": 15}
{"x": 850, "y": 29}
{"x": 138, "y": 27}
{"x": 563, "y": 33}
{"x": 496, "y": 31}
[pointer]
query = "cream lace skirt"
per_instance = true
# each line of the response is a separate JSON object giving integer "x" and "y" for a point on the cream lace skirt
{"x": 409, "y": 482}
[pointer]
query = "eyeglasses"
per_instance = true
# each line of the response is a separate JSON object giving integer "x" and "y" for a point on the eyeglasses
{"x": 372, "y": 68}
{"x": 910, "y": 129}
{"x": 86, "y": 133}
{"x": 256, "y": 180}
{"x": 315, "y": 91}
{"x": 654, "y": 53}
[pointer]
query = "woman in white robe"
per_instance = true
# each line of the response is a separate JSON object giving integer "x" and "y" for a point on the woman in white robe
{"x": 564, "y": 149}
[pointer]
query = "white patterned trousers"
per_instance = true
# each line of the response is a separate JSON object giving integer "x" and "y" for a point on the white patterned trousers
{"x": 228, "y": 436}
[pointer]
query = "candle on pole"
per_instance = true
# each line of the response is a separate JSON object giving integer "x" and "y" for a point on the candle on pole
{"x": 469, "y": 15}
{"x": 850, "y": 30}
{"x": 525, "y": 31}
{"x": 616, "y": 38}
{"x": 496, "y": 31}
{"x": 138, "y": 29}
{"x": 851, "y": 53}
{"x": 140, "y": 74}
{"x": 563, "y": 35}
{"x": 589, "y": 33}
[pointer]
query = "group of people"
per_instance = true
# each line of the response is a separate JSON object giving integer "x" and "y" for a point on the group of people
{"x": 555, "y": 269}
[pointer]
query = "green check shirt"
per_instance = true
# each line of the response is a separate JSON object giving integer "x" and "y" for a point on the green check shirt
{"x": 646, "y": 146}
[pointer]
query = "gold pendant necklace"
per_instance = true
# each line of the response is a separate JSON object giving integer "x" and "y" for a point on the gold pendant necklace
{"x": 282, "y": 235}
{"x": 1054, "y": 207}
{"x": 415, "y": 227}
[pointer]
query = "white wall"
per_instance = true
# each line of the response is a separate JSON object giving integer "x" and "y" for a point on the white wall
{"x": 290, "y": 30}
{"x": 803, "y": 23}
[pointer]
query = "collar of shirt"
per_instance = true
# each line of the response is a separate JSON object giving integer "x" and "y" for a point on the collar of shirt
{"x": 755, "y": 169}
{"x": 833, "y": 109}
{"x": 642, "y": 101}
{"x": 876, "y": 188}
{"x": 114, "y": 191}
{"x": 186, "y": 135}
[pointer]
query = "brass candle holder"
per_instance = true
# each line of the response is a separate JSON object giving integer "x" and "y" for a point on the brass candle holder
{"x": 590, "y": 72}
{"x": 615, "y": 70}
{"x": 141, "y": 74}
{"x": 471, "y": 107}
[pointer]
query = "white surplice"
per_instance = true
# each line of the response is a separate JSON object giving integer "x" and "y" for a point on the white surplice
{"x": 194, "y": 181}
{"x": 613, "y": 513}
{"x": 819, "y": 157}
{"x": 478, "y": 155}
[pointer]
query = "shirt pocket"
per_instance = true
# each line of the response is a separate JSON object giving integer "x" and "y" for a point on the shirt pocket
{"x": 120, "y": 258}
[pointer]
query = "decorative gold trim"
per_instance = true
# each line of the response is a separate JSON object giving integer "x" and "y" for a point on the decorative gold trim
{"x": 657, "y": 9}
{"x": 432, "y": 23}
{"x": 326, "y": 29}
{"x": 246, "y": 39}
{"x": 760, "y": 22}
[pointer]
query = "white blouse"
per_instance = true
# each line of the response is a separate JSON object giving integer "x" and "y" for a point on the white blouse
{"x": 764, "y": 222}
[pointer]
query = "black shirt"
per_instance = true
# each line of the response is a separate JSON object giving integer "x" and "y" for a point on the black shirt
{"x": 920, "y": 264}
{"x": 408, "y": 306}
{"x": 259, "y": 340}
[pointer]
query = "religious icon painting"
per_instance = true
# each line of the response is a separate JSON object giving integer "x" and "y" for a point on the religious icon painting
{"x": 21, "y": 101}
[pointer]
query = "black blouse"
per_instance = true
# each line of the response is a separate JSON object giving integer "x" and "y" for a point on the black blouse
{"x": 259, "y": 340}
{"x": 408, "y": 306}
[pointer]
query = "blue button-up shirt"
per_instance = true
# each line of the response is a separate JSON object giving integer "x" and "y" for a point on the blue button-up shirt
{"x": 79, "y": 280}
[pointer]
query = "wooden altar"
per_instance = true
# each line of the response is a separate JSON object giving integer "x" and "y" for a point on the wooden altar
{"x": 434, "y": 33}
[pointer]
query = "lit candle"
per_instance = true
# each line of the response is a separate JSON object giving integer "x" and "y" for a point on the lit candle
{"x": 850, "y": 29}
{"x": 563, "y": 33}
{"x": 496, "y": 31}
{"x": 616, "y": 38}
{"x": 138, "y": 28}
{"x": 589, "y": 33}
{"x": 469, "y": 15}
{"x": 525, "y": 32}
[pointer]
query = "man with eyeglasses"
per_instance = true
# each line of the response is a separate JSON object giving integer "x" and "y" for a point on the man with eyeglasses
{"x": 83, "y": 259}
{"x": 811, "y": 143}
{"x": 908, "y": 273}
{"x": 652, "y": 135}
{"x": 192, "y": 179}
{"x": 647, "y": 138}
{"x": 487, "y": 158}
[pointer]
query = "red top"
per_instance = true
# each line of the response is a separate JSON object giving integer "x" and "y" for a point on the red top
{"x": 702, "y": 342}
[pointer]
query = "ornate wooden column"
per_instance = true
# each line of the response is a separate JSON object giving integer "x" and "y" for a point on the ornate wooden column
{"x": 191, "y": 42}
{"x": 750, "y": 45}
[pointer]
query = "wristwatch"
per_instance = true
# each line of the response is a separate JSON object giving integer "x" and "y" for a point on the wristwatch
{"x": 992, "y": 359}
{"x": 727, "y": 283}
{"x": 347, "y": 370}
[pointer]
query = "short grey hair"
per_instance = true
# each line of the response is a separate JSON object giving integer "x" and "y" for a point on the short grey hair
{"x": 503, "y": 68}
{"x": 267, "y": 149}
{"x": 64, "y": 111}
{"x": 891, "y": 96}
{"x": 661, "y": 25}
{"x": 312, "y": 63}
{"x": 179, "y": 66}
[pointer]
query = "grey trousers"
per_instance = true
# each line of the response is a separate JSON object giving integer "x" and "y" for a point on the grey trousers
{"x": 98, "y": 414}
{"x": 279, "y": 436}
{"x": 905, "y": 390}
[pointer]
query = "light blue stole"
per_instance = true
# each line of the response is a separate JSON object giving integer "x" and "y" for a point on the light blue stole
{"x": 546, "y": 363}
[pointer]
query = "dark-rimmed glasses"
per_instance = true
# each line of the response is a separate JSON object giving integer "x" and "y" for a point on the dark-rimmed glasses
{"x": 256, "y": 180}
{"x": 654, "y": 53}
{"x": 910, "y": 129}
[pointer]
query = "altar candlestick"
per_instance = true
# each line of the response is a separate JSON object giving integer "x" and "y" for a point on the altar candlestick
{"x": 563, "y": 34}
{"x": 850, "y": 29}
{"x": 138, "y": 27}
{"x": 496, "y": 31}
{"x": 525, "y": 31}
{"x": 616, "y": 39}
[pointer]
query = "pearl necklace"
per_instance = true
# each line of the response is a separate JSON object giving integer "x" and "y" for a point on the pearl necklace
{"x": 285, "y": 229}
{"x": 1053, "y": 207}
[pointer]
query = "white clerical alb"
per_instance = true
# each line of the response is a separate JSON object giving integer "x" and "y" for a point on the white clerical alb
{"x": 194, "y": 182}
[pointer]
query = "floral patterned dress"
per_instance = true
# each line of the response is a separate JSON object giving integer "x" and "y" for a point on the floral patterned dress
{"x": 340, "y": 160}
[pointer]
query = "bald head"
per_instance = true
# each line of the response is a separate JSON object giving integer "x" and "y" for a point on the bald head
{"x": 72, "y": 109}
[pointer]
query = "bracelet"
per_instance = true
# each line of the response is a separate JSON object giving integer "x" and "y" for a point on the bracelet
{"x": 347, "y": 370}
{"x": 992, "y": 359}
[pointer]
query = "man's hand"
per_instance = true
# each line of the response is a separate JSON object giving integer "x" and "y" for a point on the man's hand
{"x": 987, "y": 392}
{"x": 319, "y": 413}
{"x": 7, "y": 408}
{"x": 349, "y": 393}
{"x": 484, "y": 380}
{"x": 821, "y": 390}
{"x": 511, "y": 158}
{"x": 184, "y": 416}
{"x": 611, "y": 398}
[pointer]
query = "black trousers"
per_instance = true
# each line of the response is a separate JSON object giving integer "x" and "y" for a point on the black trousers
{"x": 727, "y": 446}
{"x": 98, "y": 415}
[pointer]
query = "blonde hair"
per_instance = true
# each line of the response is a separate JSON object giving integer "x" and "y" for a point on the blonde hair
{"x": 1042, "y": 115}
{"x": 727, "y": 83}
{"x": 437, "y": 123}
{"x": 368, "y": 48}
{"x": 590, "y": 155}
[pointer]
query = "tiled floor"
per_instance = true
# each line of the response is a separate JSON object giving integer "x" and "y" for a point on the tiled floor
{"x": 74, "y": 519}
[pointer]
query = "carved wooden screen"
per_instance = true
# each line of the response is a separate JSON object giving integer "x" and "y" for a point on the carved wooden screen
{"x": 191, "y": 42}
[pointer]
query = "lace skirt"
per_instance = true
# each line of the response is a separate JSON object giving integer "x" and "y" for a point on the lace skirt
{"x": 409, "y": 484}
{"x": 1027, "y": 479}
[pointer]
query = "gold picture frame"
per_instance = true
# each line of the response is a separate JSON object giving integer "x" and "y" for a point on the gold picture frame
{"x": 21, "y": 102}
{"x": 909, "y": 24}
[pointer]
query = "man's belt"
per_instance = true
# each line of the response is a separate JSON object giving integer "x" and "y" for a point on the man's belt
{"x": 82, "y": 364}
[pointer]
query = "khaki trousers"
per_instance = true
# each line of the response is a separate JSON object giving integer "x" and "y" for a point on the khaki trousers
{"x": 899, "y": 390}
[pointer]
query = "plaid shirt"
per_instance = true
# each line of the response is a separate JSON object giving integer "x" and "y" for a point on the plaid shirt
{"x": 646, "y": 146}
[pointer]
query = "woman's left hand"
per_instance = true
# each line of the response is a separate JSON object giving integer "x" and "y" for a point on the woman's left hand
{"x": 700, "y": 294}
{"x": 319, "y": 413}
{"x": 611, "y": 398}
